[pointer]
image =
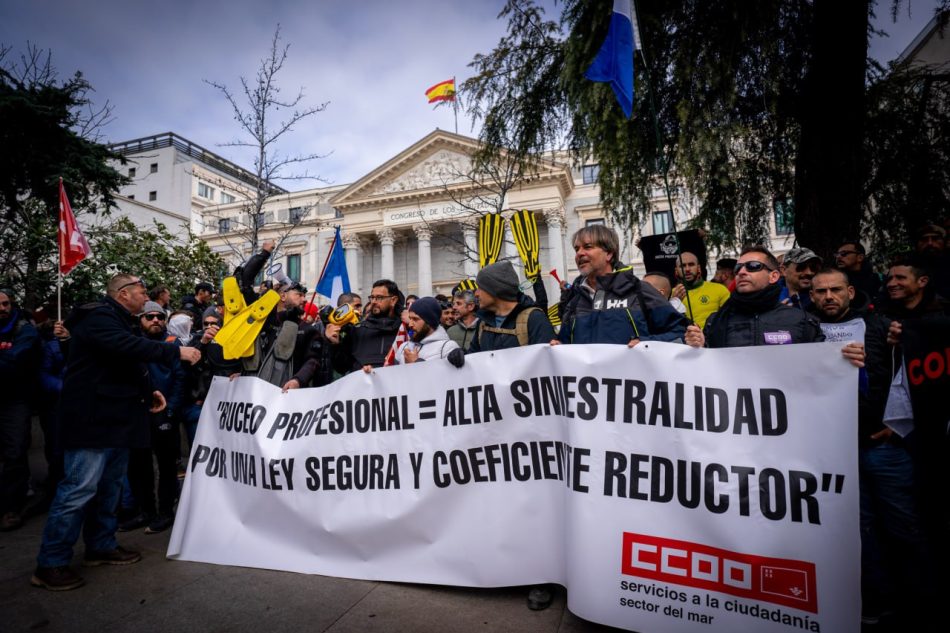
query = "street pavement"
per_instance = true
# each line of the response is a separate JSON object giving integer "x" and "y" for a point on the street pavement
{"x": 158, "y": 594}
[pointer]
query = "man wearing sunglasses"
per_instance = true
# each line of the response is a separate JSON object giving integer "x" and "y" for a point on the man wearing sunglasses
{"x": 851, "y": 257}
{"x": 754, "y": 315}
{"x": 170, "y": 380}
{"x": 798, "y": 268}
{"x": 105, "y": 403}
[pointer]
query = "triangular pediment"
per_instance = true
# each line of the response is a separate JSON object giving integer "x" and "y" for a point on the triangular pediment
{"x": 439, "y": 161}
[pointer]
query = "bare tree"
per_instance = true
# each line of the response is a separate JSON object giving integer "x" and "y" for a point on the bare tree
{"x": 261, "y": 114}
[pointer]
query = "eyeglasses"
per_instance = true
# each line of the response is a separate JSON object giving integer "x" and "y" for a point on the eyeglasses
{"x": 845, "y": 253}
{"x": 752, "y": 266}
{"x": 380, "y": 297}
{"x": 154, "y": 315}
{"x": 137, "y": 282}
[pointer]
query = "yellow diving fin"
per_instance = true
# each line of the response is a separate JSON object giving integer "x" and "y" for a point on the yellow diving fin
{"x": 233, "y": 299}
{"x": 238, "y": 335}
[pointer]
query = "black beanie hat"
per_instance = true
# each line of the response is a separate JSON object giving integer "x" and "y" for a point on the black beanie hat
{"x": 427, "y": 309}
{"x": 499, "y": 280}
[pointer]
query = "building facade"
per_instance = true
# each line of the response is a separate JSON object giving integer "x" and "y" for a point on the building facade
{"x": 414, "y": 219}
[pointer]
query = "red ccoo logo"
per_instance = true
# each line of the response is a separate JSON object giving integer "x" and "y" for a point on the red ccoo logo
{"x": 777, "y": 580}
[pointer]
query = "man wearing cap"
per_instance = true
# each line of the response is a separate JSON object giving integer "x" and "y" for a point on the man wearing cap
{"x": 429, "y": 339}
{"x": 507, "y": 317}
{"x": 106, "y": 398}
{"x": 168, "y": 378}
{"x": 705, "y": 297}
{"x": 607, "y": 303}
{"x": 798, "y": 267}
{"x": 466, "y": 325}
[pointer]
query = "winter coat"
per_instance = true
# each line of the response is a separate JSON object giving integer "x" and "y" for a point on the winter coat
{"x": 623, "y": 308}
{"x": 433, "y": 347}
{"x": 366, "y": 344}
{"x": 107, "y": 391}
{"x": 777, "y": 325}
{"x": 539, "y": 328}
{"x": 20, "y": 363}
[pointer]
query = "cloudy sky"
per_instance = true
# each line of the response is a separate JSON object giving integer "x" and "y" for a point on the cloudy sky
{"x": 371, "y": 60}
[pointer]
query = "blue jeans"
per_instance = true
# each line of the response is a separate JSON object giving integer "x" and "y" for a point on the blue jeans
{"x": 894, "y": 553}
{"x": 86, "y": 500}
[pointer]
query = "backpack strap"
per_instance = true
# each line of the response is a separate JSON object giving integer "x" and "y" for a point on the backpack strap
{"x": 520, "y": 330}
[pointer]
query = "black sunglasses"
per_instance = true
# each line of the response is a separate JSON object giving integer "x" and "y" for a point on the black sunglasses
{"x": 137, "y": 282}
{"x": 154, "y": 315}
{"x": 752, "y": 266}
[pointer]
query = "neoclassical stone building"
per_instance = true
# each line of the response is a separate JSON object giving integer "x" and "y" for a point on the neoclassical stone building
{"x": 414, "y": 218}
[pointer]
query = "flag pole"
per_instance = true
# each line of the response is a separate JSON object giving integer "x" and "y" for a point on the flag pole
{"x": 455, "y": 104}
{"x": 664, "y": 164}
{"x": 313, "y": 295}
{"x": 59, "y": 267}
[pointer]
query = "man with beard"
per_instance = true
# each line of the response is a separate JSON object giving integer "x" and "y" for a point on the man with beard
{"x": 466, "y": 324}
{"x": 169, "y": 378}
{"x": 507, "y": 317}
{"x": 705, "y": 297}
{"x": 429, "y": 339}
{"x": 894, "y": 558}
{"x": 931, "y": 248}
{"x": 851, "y": 257}
{"x": 798, "y": 267}
{"x": 369, "y": 341}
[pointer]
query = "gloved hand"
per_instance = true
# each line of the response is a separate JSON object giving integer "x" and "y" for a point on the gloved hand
{"x": 456, "y": 357}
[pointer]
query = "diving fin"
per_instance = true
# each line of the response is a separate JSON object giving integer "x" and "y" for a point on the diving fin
{"x": 233, "y": 299}
{"x": 238, "y": 335}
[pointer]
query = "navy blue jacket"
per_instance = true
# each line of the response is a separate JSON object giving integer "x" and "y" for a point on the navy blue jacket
{"x": 622, "y": 309}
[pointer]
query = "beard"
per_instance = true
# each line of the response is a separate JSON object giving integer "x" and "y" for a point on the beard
{"x": 421, "y": 333}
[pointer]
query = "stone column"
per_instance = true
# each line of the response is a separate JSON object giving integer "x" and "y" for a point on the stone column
{"x": 470, "y": 239}
{"x": 386, "y": 240}
{"x": 555, "y": 221}
{"x": 424, "y": 235}
{"x": 353, "y": 248}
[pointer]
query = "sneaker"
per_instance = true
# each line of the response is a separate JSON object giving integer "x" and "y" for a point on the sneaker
{"x": 118, "y": 556}
{"x": 160, "y": 524}
{"x": 10, "y": 521}
{"x": 56, "y": 578}
{"x": 539, "y": 598}
{"x": 135, "y": 523}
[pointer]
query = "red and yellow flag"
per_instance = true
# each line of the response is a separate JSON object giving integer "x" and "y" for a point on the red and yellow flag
{"x": 442, "y": 91}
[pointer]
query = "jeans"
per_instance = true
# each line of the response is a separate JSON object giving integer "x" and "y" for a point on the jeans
{"x": 86, "y": 500}
{"x": 896, "y": 562}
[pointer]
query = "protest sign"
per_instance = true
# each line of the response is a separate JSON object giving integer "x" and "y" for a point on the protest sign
{"x": 668, "y": 488}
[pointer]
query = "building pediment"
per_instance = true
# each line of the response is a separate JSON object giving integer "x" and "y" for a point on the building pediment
{"x": 439, "y": 163}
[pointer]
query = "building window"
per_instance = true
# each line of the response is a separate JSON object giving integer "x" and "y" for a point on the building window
{"x": 662, "y": 222}
{"x": 784, "y": 217}
{"x": 153, "y": 168}
{"x": 224, "y": 225}
{"x": 152, "y": 196}
{"x": 293, "y": 267}
{"x": 296, "y": 215}
{"x": 131, "y": 172}
{"x": 594, "y": 221}
{"x": 132, "y": 197}
{"x": 205, "y": 191}
{"x": 259, "y": 219}
{"x": 589, "y": 173}
{"x": 226, "y": 198}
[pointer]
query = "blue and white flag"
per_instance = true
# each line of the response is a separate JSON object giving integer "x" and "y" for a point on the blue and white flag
{"x": 614, "y": 61}
{"x": 334, "y": 281}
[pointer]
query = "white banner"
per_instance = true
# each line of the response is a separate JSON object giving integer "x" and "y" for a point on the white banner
{"x": 668, "y": 488}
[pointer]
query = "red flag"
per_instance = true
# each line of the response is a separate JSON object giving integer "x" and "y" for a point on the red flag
{"x": 73, "y": 247}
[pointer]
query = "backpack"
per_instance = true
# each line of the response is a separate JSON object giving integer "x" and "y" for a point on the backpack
{"x": 520, "y": 330}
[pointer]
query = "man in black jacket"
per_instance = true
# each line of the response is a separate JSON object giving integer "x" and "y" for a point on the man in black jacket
{"x": 106, "y": 399}
{"x": 507, "y": 317}
{"x": 368, "y": 343}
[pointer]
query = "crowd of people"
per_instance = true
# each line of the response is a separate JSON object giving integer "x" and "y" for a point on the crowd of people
{"x": 117, "y": 381}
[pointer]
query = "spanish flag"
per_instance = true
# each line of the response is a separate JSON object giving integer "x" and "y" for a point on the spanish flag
{"x": 442, "y": 91}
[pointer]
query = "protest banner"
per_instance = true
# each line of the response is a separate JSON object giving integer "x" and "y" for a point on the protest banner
{"x": 668, "y": 488}
{"x": 661, "y": 252}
